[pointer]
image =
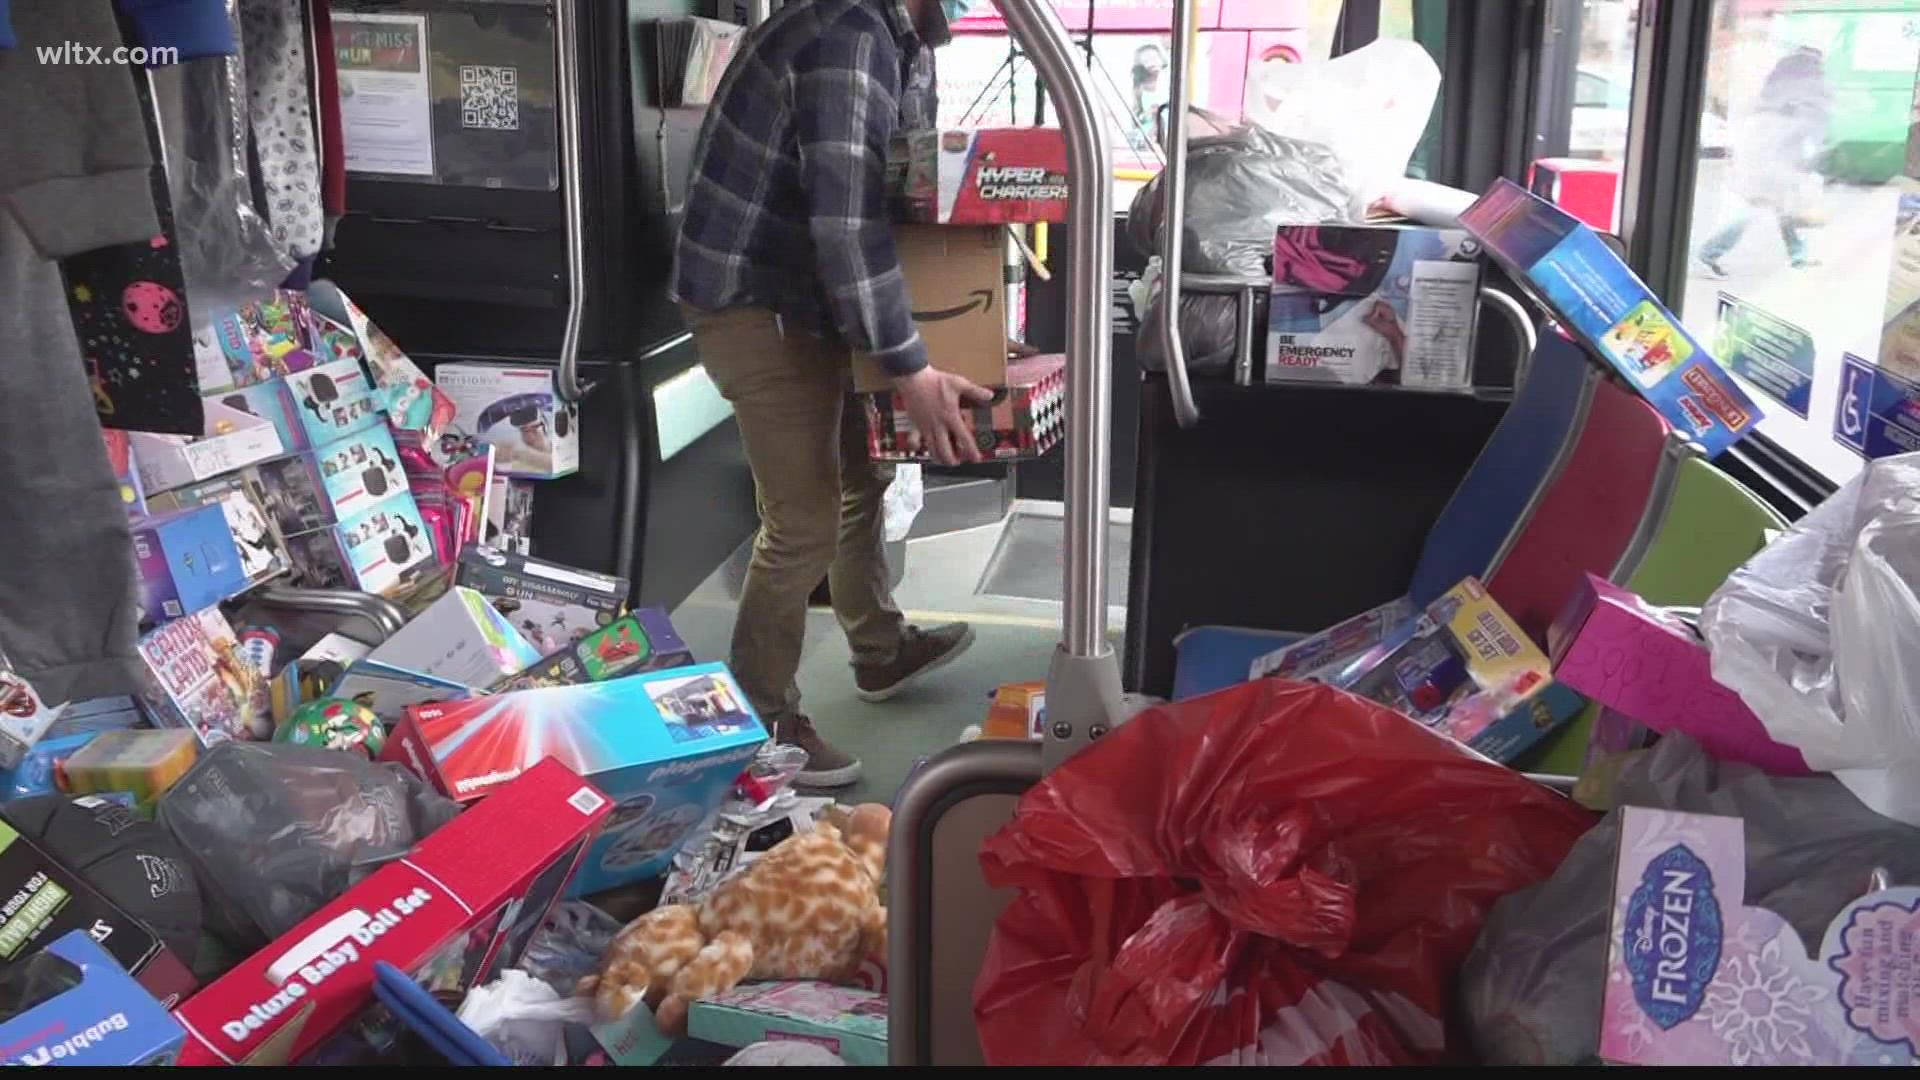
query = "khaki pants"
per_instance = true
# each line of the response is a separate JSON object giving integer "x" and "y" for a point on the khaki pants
{"x": 819, "y": 497}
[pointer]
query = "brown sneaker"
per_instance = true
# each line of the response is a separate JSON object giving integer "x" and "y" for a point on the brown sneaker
{"x": 922, "y": 652}
{"x": 827, "y": 765}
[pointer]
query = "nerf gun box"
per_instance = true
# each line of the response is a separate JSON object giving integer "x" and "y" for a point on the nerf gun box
{"x": 553, "y": 606}
{"x": 983, "y": 176}
{"x": 455, "y": 912}
{"x": 642, "y": 641}
{"x": 70, "y": 1004}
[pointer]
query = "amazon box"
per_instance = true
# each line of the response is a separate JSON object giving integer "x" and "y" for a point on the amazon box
{"x": 957, "y": 278}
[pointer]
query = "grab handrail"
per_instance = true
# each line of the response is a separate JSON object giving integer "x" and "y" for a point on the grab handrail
{"x": 566, "y": 33}
{"x": 1173, "y": 218}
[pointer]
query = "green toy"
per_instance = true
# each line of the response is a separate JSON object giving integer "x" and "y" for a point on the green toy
{"x": 335, "y": 723}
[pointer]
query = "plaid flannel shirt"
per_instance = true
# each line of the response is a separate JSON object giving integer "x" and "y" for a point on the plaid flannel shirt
{"x": 787, "y": 206}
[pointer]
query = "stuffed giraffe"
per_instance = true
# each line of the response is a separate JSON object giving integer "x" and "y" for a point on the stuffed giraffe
{"x": 808, "y": 909}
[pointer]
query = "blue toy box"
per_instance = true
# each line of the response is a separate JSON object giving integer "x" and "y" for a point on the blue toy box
{"x": 1567, "y": 267}
{"x": 328, "y": 485}
{"x": 100, "y": 1017}
{"x": 666, "y": 746}
{"x": 188, "y": 561}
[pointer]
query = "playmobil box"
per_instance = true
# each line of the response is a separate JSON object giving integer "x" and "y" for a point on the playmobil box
{"x": 642, "y": 641}
{"x": 1625, "y": 654}
{"x": 979, "y": 176}
{"x": 383, "y": 549}
{"x": 1026, "y": 418}
{"x": 519, "y": 410}
{"x": 263, "y": 555}
{"x": 1312, "y": 659}
{"x": 334, "y": 482}
{"x": 1695, "y": 977}
{"x": 233, "y": 440}
{"x": 187, "y": 561}
{"x": 847, "y": 1021}
{"x": 1390, "y": 305}
{"x": 195, "y": 679}
{"x": 70, "y": 1004}
{"x": 554, "y": 606}
{"x": 1567, "y": 267}
{"x": 666, "y": 746}
{"x": 453, "y": 913}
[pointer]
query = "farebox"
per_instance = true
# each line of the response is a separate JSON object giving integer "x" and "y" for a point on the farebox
{"x": 453, "y": 913}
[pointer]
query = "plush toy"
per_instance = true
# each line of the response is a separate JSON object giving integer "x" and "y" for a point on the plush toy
{"x": 808, "y": 909}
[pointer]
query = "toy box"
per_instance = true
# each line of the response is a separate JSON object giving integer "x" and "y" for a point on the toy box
{"x": 1019, "y": 711}
{"x": 1566, "y": 266}
{"x": 1025, "y": 419}
{"x": 1389, "y": 305}
{"x": 642, "y": 641}
{"x": 264, "y": 338}
{"x": 1616, "y": 649}
{"x": 1694, "y": 977}
{"x": 460, "y": 643}
{"x": 145, "y": 763}
{"x": 453, "y": 913}
{"x": 120, "y": 456}
{"x": 233, "y": 440}
{"x": 383, "y": 549}
{"x": 981, "y": 176}
{"x": 851, "y": 1023}
{"x": 332, "y": 401}
{"x": 46, "y": 900}
{"x": 195, "y": 678}
{"x": 1466, "y": 670}
{"x": 24, "y": 717}
{"x": 534, "y": 433}
{"x": 263, "y": 555}
{"x": 334, "y": 482}
{"x": 188, "y": 561}
{"x": 665, "y": 746}
{"x": 1312, "y": 659}
{"x": 70, "y": 1004}
{"x": 554, "y": 606}
{"x": 38, "y": 771}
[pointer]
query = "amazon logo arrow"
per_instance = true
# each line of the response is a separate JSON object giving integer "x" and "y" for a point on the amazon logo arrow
{"x": 978, "y": 300}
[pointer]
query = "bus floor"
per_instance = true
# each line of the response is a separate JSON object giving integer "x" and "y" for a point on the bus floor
{"x": 1003, "y": 578}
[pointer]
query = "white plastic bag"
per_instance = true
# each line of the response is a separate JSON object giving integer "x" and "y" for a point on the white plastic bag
{"x": 904, "y": 498}
{"x": 1370, "y": 106}
{"x": 1818, "y": 634}
{"x": 524, "y": 1018}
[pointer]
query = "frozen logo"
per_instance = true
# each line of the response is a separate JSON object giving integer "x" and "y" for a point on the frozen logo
{"x": 1672, "y": 936}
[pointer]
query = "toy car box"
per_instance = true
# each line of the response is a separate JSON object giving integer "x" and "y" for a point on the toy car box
{"x": 383, "y": 549}
{"x": 981, "y": 176}
{"x": 1567, "y": 267}
{"x": 455, "y": 912}
{"x": 665, "y": 746}
{"x": 195, "y": 679}
{"x": 333, "y": 482}
{"x": 233, "y": 440}
{"x": 631, "y": 644}
{"x": 188, "y": 561}
{"x": 850, "y": 1022}
{"x": 263, "y": 554}
{"x": 72, "y": 1005}
{"x": 1390, "y": 305}
{"x": 553, "y": 606}
{"x": 519, "y": 410}
{"x": 1025, "y": 419}
{"x": 46, "y": 900}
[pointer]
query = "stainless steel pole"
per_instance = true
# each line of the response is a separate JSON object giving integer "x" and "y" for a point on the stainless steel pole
{"x": 566, "y": 33}
{"x": 1173, "y": 217}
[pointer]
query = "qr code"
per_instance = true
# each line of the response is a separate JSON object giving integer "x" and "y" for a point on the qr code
{"x": 489, "y": 97}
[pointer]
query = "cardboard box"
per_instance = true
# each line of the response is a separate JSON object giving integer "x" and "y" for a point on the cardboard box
{"x": 1616, "y": 649}
{"x": 554, "y": 606}
{"x": 1695, "y": 977}
{"x": 1026, "y": 419}
{"x": 383, "y": 549}
{"x": 334, "y": 482}
{"x": 459, "y": 644}
{"x": 46, "y": 901}
{"x": 315, "y": 672}
{"x": 665, "y": 746}
{"x": 233, "y": 441}
{"x": 187, "y": 561}
{"x": 979, "y": 176}
{"x": 519, "y": 410}
{"x": 1383, "y": 305}
{"x": 1567, "y": 267}
{"x": 98, "y": 1017}
{"x": 851, "y": 1023}
{"x": 1019, "y": 711}
{"x": 631, "y": 644}
{"x": 195, "y": 678}
{"x": 454, "y": 913}
{"x": 263, "y": 554}
{"x": 958, "y": 280}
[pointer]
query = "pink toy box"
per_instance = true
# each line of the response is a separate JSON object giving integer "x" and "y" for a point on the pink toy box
{"x": 1695, "y": 978}
{"x": 1642, "y": 662}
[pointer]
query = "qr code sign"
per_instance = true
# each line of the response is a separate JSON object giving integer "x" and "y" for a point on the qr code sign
{"x": 489, "y": 97}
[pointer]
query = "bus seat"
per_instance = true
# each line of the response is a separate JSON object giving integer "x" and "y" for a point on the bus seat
{"x": 1711, "y": 525}
{"x": 1215, "y": 657}
{"x": 1592, "y": 511}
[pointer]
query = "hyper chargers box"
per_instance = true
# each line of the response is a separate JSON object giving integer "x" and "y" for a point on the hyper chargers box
{"x": 328, "y": 485}
{"x": 534, "y": 433}
{"x": 1594, "y": 294}
{"x": 70, "y": 1004}
{"x": 453, "y": 913}
{"x": 1389, "y": 305}
{"x": 665, "y": 746}
{"x": 553, "y": 606}
{"x": 187, "y": 561}
{"x": 980, "y": 176}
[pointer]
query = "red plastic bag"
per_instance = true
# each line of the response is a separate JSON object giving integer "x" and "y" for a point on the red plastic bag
{"x": 1276, "y": 874}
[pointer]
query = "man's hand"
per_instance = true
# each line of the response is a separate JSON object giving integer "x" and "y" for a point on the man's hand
{"x": 934, "y": 399}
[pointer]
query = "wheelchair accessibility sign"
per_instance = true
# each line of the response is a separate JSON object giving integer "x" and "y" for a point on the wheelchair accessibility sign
{"x": 1878, "y": 413}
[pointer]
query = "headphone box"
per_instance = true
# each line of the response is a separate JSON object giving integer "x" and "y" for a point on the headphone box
{"x": 518, "y": 410}
{"x": 187, "y": 561}
{"x": 333, "y": 482}
{"x": 383, "y": 549}
{"x": 332, "y": 400}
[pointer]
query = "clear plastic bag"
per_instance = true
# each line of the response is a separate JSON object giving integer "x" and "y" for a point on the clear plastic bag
{"x": 905, "y": 497}
{"x": 1818, "y": 635}
{"x": 570, "y": 944}
{"x": 524, "y": 1018}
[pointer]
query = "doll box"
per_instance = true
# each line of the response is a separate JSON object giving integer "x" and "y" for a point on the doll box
{"x": 983, "y": 176}
{"x": 553, "y": 606}
{"x": 453, "y": 913}
{"x": 1025, "y": 419}
{"x": 96, "y": 1015}
{"x": 631, "y": 644}
{"x": 519, "y": 410}
{"x": 666, "y": 746}
{"x": 1312, "y": 659}
{"x": 334, "y": 482}
{"x": 1694, "y": 977}
{"x": 846, "y": 1021}
{"x": 233, "y": 440}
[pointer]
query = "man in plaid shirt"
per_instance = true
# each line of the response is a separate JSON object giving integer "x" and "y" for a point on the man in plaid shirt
{"x": 785, "y": 266}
